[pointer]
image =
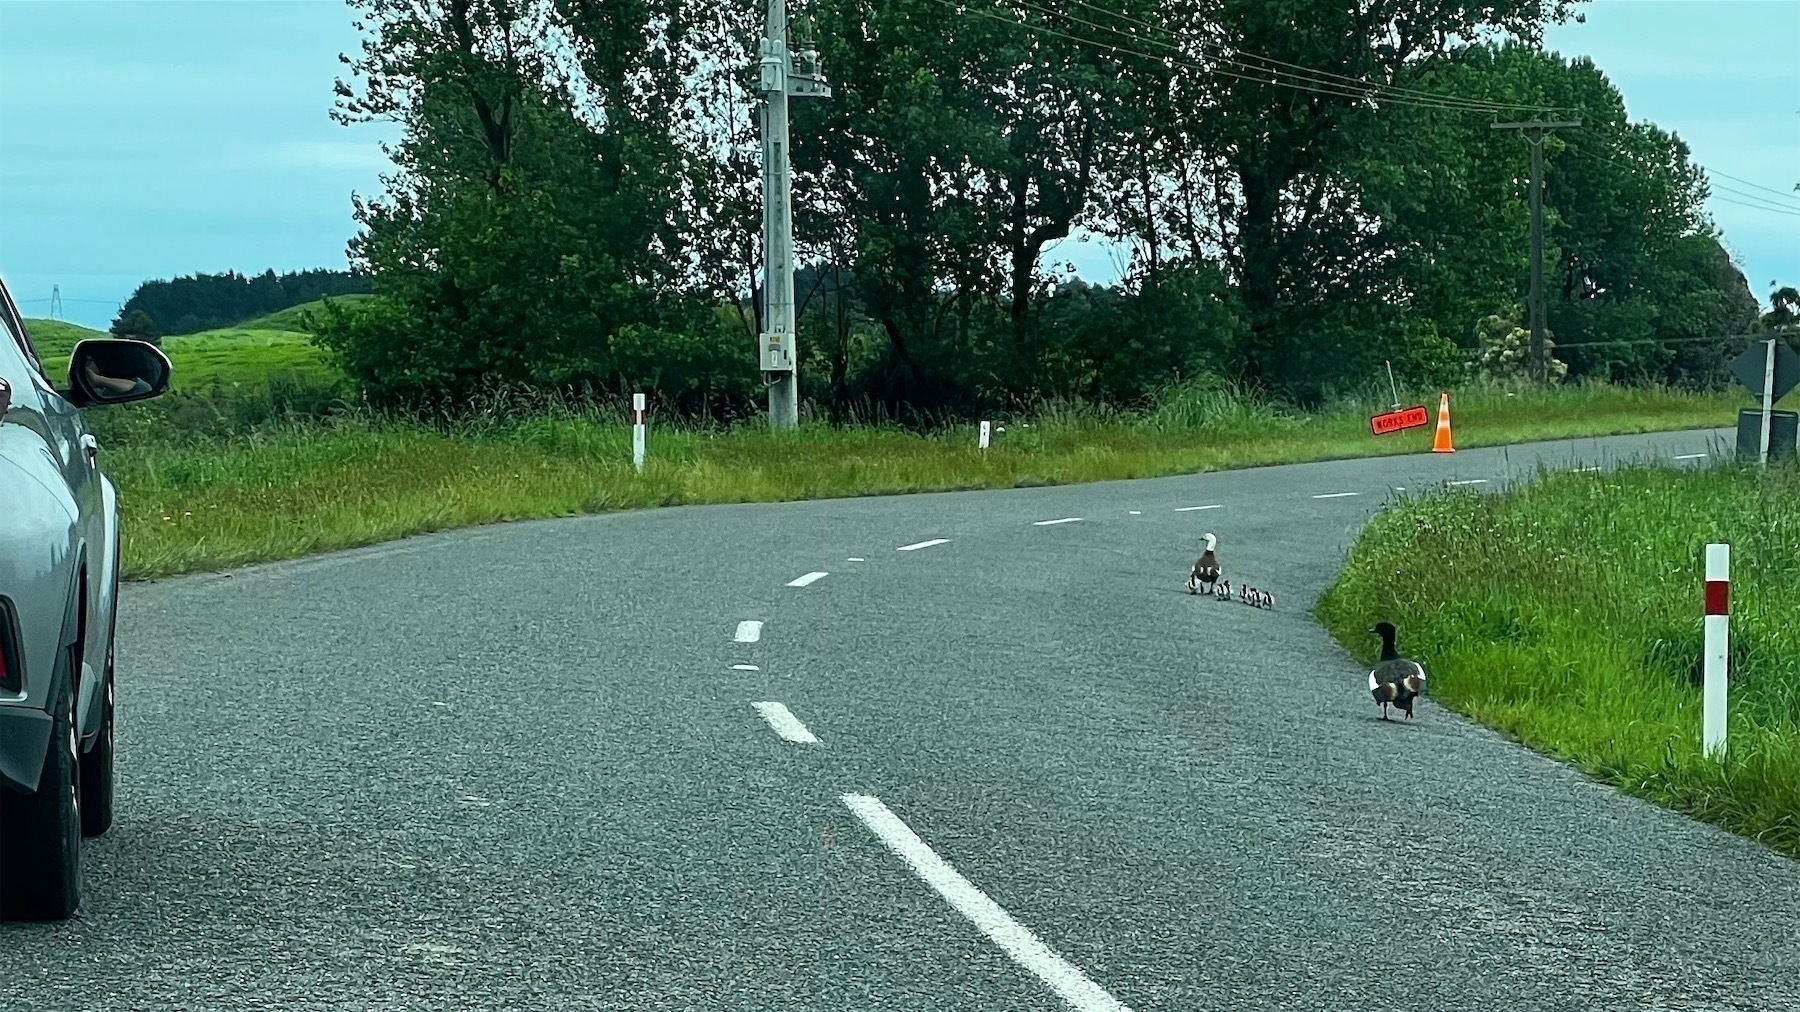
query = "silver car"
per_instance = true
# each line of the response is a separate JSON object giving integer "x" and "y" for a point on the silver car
{"x": 59, "y": 581}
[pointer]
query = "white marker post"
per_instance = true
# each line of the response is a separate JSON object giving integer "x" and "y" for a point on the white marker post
{"x": 987, "y": 432}
{"x": 637, "y": 431}
{"x": 1718, "y": 649}
{"x": 1768, "y": 401}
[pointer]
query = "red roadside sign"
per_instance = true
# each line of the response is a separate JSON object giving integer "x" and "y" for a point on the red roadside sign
{"x": 1399, "y": 421}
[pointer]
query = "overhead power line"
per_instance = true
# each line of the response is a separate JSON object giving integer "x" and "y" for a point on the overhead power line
{"x": 1767, "y": 205}
{"x": 1719, "y": 339}
{"x": 1789, "y": 195}
{"x": 1747, "y": 195}
{"x": 1321, "y": 76}
{"x": 1364, "y": 91}
{"x": 1303, "y": 78}
{"x": 1757, "y": 207}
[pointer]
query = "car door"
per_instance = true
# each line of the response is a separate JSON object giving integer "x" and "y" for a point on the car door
{"x": 77, "y": 456}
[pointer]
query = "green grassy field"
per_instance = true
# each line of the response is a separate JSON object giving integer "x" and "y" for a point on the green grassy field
{"x": 296, "y": 319}
{"x": 294, "y": 490}
{"x": 1567, "y": 614}
{"x": 248, "y": 355}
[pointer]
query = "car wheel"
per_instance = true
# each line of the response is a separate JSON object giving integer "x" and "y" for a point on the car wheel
{"x": 40, "y": 833}
{"x": 97, "y": 770}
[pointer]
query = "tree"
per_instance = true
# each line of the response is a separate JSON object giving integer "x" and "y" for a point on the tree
{"x": 958, "y": 148}
{"x": 1310, "y": 267}
{"x": 1784, "y": 309}
{"x": 137, "y": 325}
{"x": 533, "y": 231}
{"x": 195, "y": 302}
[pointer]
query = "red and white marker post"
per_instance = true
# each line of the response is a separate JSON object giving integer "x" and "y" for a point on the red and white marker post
{"x": 1718, "y": 649}
{"x": 637, "y": 431}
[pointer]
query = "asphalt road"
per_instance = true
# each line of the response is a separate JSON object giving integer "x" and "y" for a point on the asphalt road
{"x": 522, "y": 767}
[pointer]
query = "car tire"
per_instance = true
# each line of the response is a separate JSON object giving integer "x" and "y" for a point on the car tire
{"x": 97, "y": 765}
{"x": 40, "y": 833}
{"x": 97, "y": 770}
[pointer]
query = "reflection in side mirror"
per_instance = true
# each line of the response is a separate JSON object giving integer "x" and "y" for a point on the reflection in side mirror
{"x": 117, "y": 372}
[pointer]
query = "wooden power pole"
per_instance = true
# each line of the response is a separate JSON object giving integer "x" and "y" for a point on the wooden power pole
{"x": 1535, "y": 131}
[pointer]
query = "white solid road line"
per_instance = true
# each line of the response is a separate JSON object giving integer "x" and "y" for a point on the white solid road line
{"x": 1064, "y": 520}
{"x": 808, "y": 578}
{"x": 1014, "y": 938}
{"x": 923, "y": 544}
{"x": 1335, "y": 495}
{"x": 785, "y": 724}
{"x": 1468, "y": 481}
{"x": 1190, "y": 509}
{"x": 1689, "y": 456}
{"x": 749, "y": 632}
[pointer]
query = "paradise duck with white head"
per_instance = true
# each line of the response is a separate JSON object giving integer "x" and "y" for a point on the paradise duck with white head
{"x": 1206, "y": 569}
{"x": 1395, "y": 680}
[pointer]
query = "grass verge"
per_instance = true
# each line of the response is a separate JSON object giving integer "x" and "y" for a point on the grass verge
{"x": 286, "y": 491}
{"x": 1566, "y": 614}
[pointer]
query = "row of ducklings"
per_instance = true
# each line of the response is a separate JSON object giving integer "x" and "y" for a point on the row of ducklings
{"x": 1395, "y": 680}
{"x": 1206, "y": 577}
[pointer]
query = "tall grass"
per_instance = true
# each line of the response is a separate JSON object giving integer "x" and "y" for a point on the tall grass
{"x": 289, "y": 485}
{"x": 1567, "y": 614}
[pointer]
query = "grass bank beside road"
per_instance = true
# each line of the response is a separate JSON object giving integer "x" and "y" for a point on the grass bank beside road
{"x": 286, "y": 491}
{"x": 1567, "y": 614}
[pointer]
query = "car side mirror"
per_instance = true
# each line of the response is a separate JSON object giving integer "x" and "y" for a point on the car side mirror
{"x": 5, "y": 397}
{"x": 117, "y": 372}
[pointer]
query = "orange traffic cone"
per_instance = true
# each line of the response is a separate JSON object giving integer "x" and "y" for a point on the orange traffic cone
{"x": 1442, "y": 443}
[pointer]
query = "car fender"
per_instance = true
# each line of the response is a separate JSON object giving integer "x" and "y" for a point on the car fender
{"x": 40, "y": 565}
{"x": 103, "y": 576}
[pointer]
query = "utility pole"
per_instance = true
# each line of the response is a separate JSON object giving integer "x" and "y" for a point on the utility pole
{"x": 1535, "y": 131}
{"x": 782, "y": 78}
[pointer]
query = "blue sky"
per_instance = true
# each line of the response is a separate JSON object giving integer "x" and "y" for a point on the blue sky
{"x": 151, "y": 138}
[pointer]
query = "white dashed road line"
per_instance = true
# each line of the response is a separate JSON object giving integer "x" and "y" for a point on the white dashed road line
{"x": 1689, "y": 456}
{"x": 785, "y": 724}
{"x": 1190, "y": 509}
{"x": 1014, "y": 938}
{"x": 808, "y": 578}
{"x": 1064, "y": 520}
{"x": 1135, "y": 513}
{"x": 1335, "y": 495}
{"x": 855, "y": 559}
{"x": 748, "y": 632}
{"x": 1468, "y": 481}
{"x": 923, "y": 544}
{"x": 745, "y": 667}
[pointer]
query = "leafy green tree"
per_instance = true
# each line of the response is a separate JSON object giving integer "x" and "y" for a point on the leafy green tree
{"x": 1784, "y": 309}
{"x": 199, "y": 302}
{"x": 136, "y": 325}
{"x": 960, "y": 145}
{"x": 520, "y": 241}
{"x": 1313, "y": 276}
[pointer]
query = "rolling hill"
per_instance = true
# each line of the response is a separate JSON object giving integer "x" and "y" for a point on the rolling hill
{"x": 246, "y": 355}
